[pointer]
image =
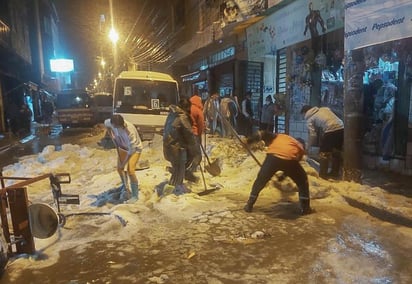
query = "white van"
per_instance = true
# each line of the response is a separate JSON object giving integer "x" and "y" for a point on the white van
{"x": 143, "y": 98}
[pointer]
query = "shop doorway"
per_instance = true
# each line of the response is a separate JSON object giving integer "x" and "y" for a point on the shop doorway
{"x": 387, "y": 99}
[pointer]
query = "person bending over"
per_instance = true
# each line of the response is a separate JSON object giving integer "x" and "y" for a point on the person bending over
{"x": 283, "y": 154}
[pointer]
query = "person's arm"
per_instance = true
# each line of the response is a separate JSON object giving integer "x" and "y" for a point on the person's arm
{"x": 244, "y": 111}
{"x": 313, "y": 136}
{"x": 320, "y": 20}
{"x": 307, "y": 25}
{"x": 200, "y": 122}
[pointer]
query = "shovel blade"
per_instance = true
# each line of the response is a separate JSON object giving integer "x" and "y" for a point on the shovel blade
{"x": 210, "y": 190}
{"x": 213, "y": 168}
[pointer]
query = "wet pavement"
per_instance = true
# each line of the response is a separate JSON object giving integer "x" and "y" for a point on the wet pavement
{"x": 273, "y": 245}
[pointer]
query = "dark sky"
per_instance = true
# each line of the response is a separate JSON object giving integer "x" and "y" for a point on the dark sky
{"x": 79, "y": 28}
{"x": 79, "y": 33}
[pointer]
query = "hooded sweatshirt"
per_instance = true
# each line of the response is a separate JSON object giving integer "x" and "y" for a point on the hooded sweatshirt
{"x": 322, "y": 118}
{"x": 196, "y": 113}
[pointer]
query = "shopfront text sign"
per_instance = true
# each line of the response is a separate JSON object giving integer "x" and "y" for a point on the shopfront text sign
{"x": 370, "y": 22}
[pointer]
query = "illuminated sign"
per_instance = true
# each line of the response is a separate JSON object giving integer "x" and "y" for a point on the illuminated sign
{"x": 61, "y": 65}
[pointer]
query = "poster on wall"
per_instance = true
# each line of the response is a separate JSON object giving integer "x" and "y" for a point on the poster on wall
{"x": 370, "y": 22}
{"x": 297, "y": 22}
{"x": 233, "y": 11}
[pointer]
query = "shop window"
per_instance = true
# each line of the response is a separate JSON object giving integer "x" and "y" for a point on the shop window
{"x": 386, "y": 98}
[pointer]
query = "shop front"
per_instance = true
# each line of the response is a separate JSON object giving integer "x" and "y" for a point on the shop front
{"x": 384, "y": 38}
{"x": 301, "y": 45}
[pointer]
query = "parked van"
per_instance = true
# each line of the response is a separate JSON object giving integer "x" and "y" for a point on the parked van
{"x": 74, "y": 108}
{"x": 143, "y": 98}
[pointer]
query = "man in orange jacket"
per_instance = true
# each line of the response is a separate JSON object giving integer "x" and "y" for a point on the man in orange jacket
{"x": 198, "y": 126}
{"x": 283, "y": 154}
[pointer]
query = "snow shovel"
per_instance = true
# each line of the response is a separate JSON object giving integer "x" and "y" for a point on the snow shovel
{"x": 212, "y": 168}
{"x": 207, "y": 190}
{"x": 240, "y": 140}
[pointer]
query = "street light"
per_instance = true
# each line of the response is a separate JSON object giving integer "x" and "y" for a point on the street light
{"x": 102, "y": 63}
{"x": 113, "y": 35}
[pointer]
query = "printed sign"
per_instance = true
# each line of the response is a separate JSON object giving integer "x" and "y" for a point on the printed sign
{"x": 369, "y": 22}
{"x": 127, "y": 91}
{"x": 155, "y": 103}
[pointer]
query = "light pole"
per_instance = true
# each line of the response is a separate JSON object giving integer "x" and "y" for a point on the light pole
{"x": 114, "y": 37}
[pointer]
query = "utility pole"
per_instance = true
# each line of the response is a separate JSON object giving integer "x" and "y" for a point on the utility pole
{"x": 354, "y": 68}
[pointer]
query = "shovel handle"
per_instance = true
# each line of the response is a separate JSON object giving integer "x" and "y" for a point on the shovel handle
{"x": 240, "y": 140}
{"x": 204, "y": 152}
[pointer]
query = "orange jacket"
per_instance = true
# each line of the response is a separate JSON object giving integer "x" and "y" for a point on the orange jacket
{"x": 196, "y": 112}
{"x": 286, "y": 147}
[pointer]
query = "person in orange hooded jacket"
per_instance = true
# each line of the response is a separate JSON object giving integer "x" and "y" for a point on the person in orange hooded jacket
{"x": 283, "y": 154}
{"x": 198, "y": 118}
{"x": 198, "y": 126}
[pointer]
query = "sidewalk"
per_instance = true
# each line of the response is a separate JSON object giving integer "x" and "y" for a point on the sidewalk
{"x": 7, "y": 140}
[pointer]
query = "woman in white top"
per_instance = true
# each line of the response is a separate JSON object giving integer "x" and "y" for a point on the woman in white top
{"x": 129, "y": 147}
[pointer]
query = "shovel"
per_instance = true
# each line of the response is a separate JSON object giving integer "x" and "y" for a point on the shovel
{"x": 212, "y": 168}
{"x": 207, "y": 190}
{"x": 225, "y": 121}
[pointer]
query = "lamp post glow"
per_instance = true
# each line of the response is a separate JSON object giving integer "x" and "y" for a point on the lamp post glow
{"x": 113, "y": 35}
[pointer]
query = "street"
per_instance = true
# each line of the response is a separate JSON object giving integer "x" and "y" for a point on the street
{"x": 358, "y": 233}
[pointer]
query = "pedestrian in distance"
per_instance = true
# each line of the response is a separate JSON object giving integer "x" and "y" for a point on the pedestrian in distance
{"x": 267, "y": 121}
{"x": 179, "y": 144}
{"x": 229, "y": 111}
{"x": 283, "y": 154}
{"x": 331, "y": 131}
{"x": 247, "y": 115}
{"x": 129, "y": 148}
{"x": 211, "y": 110}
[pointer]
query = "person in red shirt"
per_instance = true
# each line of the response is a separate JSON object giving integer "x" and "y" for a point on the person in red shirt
{"x": 198, "y": 126}
{"x": 283, "y": 154}
{"x": 196, "y": 113}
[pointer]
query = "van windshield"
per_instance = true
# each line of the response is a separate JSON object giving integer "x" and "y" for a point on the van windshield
{"x": 132, "y": 95}
{"x": 103, "y": 100}
{"x": 71, "y": 100}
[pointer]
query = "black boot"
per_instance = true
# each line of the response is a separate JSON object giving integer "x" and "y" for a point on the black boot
{"x": 249, "y": 205}
{"x": 305, "y": 206}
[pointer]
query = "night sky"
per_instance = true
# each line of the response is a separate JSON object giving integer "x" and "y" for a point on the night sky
{"x": 79, "y": 29}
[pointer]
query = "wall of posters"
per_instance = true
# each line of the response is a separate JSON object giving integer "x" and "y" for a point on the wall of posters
{"x": 297, "y": 22}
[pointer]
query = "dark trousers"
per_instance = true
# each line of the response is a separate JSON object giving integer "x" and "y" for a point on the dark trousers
{"x": 194, "y": 157}
{"x": 267, "y": 127}
{"x": 291, "y": 168}
{"x": 178, "y": 168}
{"x": 332, "y": 141}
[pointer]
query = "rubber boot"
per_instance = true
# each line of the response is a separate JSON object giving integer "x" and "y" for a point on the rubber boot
{"x": 304, "y": 203}
{"x": 323, "y": 164}
{"x": 135, "y": 192}
{"x": 125, "y": 194}
{"x": 249, "y": 205}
